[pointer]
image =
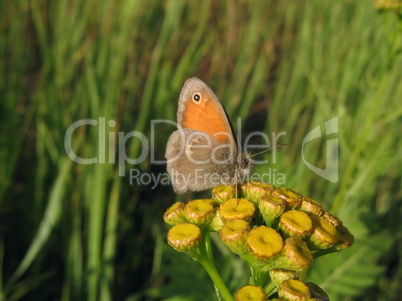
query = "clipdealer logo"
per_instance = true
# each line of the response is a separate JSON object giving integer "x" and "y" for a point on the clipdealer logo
{"x": 112, "y": 145}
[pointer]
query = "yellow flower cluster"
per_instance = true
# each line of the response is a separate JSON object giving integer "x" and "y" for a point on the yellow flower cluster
{"x": 290, "y": 289}
{"x": 391, "y": 5}
{"x": 275, "y": 230}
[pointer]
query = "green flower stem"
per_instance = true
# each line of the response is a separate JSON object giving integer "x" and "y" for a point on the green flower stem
{"x": 216, "y": 278}
{"x": 206, "y": 259}
{"x": 270, "y": 288}
{"x": 208, "y": 247}
{"x": 257, "y": 276}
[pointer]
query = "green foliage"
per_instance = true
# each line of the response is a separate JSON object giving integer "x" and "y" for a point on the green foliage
{"x": 82, "y": 232}
{"x": 351, "y": 272}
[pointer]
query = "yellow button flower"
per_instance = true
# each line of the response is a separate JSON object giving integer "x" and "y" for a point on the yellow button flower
{"x": 324, "y": 234}
{"x": 234, "y": 209}
{"x": 184, "y": 237}
{"x": 294, "y": 256}
{"x": 293, "y": 199}
{"x": 223, "y": 193}
{"x": 295, "y": 223}
{"x": 254, "y": 191}
{"x": 271, "y": 207}
{"x": 264, "y": 243}
{"x": 311, "y": 206}
{"x": 175, "y": 214}
{"x": 234, "y": 235}
{"x": 295, "y": 290}
{"x": 251, "y": 293}
{"x": 346, "y": 239}
{"x": 199, "y": 212}
{"x": 336, "y": 222}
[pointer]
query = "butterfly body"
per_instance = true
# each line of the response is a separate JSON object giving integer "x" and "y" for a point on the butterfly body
{"x": 203, "y": 152}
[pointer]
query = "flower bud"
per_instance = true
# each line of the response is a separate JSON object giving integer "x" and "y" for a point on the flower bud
{"x": 184, "y": 237}
{"x": 223, "y": 193}
{"x": 271, "y": 207}
{"x": 216, "y": 223}
{"x": 294, "y": 290}
{"x": 234, "y": 209}
{"x": 280, "y": 275}
{"x": 336, "y": 222}
{"x": 254, "y": 191}
{"x": 294, "y": 256}
{"x": 324, "y": 234}
{"x": 317, "y": 293}
{"x": 251, "y": 293}
{"x": 175, "y": 214}
{"x": 234, "y": 235}
{"x": 346, "y": 239}
{"x": 199, "y": 212}
{"x": 264, "y": 243}
{"x": 295, "y": 223}
{"x": 311, "y": 206}
{"x": 293, "y": 199}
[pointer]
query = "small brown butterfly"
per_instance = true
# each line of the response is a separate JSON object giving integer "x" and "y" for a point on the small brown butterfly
{"x": 204, "y": 151}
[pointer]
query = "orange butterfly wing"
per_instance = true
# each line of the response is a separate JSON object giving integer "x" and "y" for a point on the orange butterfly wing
{"x": 209, "y": 117}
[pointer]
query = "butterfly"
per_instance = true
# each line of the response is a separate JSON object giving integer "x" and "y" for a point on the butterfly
{"x": 203, "y": 152}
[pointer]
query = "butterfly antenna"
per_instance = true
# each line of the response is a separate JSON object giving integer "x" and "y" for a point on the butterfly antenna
{"x": 266, "y": 150}
{"x": 237, "y": 185}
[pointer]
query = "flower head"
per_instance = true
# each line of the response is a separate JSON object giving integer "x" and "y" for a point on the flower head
{"x": 324, "y": 234}
{"x": 292, "y": 198}
{"x": 184, "y": 237}
{"x": 234, "y": 235}
{"x": 251, "y": 293}
{"x": 295, "y": 223}
{"x": 264, "y": 243}
{"x": 199, "y": 212}
{"x": 223, "y": 193}
{"x": 234, "y": 209}
{"x": 311, "y": 206}
{"x": 175, "y": 214}
{"x": 254, "y": 191}
{"x": 295, "y": 290}
{"x": 271, "y": 207}
{"x": 294, "y": 256}
{"x": 346, "y": 239}
{"x": 336, "y": 222}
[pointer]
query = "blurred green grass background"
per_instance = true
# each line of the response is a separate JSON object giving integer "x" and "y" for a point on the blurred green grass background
{"x": 81, "y": 232}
